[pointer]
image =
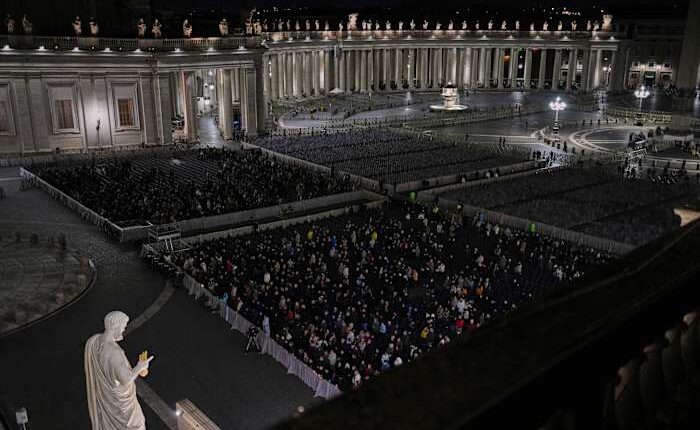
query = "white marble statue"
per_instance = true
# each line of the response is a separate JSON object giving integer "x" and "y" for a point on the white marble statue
{"x": 296, "y": 25}
{"x": 504, "y": 25}
{"x": 308, "y": 25}
{"x": 388, "y": 25}
{"x": 289, "y": 25}
{"x": 517, "y": 25}
{"x": 425, "y": 24}
{"x": 596, "y": 26}
{"x": 265, "y": 25}
{"x": 490, "y": 25}
{"x": 464, "y": 25}
{"x": 317, "y": 25}
{"x": 607, "y": 22}
{"x": 476, "y": 26}
{"x": 437, "y": 25}
{"x": 573, "y": 25}
{"x": 10, "y": 24}
{"x": 77, "y": 26}
{"x": 326, "y": 26}
{"x": 352, "y": 21}
{"x": 141, "y": 28}
{"x": 94, "y": 28}
{"x": 400, "y": 25}
{"x": 588, "y": 25}
{"x": 27, "y": 25}
{"x": 223, "y": 27}
{"x": 560, "y": 26}
{"x": 155, "y": 30}
{"x": 111, "y": 391}
{"x": 412, "y": 25}
{"x": 450, "y": 25}
{"x": 545, "y": 26}
{"x": 364, "y": 25}
{"x": 186, "y": 28}
{"x": 532, "y": 26}
{"x": 340, "y": 26}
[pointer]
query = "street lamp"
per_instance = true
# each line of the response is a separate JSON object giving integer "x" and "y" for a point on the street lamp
{"x": 641, "y": 93}
{"x": 556, "y": 106}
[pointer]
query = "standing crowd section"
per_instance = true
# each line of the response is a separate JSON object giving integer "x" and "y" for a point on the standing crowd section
{"x": 595, "y": 200}
{"x": 390, "y": 156}
{"x": 185, "y": 185}
{"x": 363, "y": 293}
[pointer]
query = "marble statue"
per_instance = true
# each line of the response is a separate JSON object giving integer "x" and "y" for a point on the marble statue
{"x": 308, "y": 25}
{"x": 155, "y": 30}
{"x": 400, "y": 25}
{"x": 296, "y": 26}
{"x": 10, "y": 24}
{"x": 437, "y": 25}
{"x": 257, "y": 27}
{"x": 265, "y": 25}
{"x": 517, "y": 25}
{"x": 223, "y": 27}
{"x": 588, "y": 25}
{"x": 532, "y": 26}
{"x": 504, "y": 25}
{"x": 77, "y": 26}
{"x": 412, "y": 25}
{"x": 27, "y": 25}
{"x": 607, "y": 22}
{"x": 94, "y": 28}
{"x": 490, "y": 25}
{"x": 425, "y": 24}
{"x": 317, "y": 26}
{"x": 464, "y": 25}
{"x": 560, "y": 26}
{"x": 545, "y": 26}
{"x": 476, "y": 26}
{"x": 450, "y": 25}
{"x": 352, "y": 22}
{"x": 340, "y": 26}
{"x": 596, "y": 26}
{"x": 325, "y": 26}
{"x": 289, "y": 25}
{"x": 388, "y": 25}
{"x": 111, "y": 391}
{"x": 573, "y": 25}
{"x": 141, "y": 28}
{"x": 364, "y": 24}
{"x": 186, "y": 28}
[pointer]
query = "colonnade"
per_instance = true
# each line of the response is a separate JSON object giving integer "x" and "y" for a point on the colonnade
{"x": 292, "y": 73}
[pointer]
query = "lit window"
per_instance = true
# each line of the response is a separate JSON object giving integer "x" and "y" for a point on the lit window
{"x": 64, "y": 114}
{"x": 126, "y": 112}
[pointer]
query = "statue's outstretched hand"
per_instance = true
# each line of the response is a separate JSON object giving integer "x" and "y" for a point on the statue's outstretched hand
{"x": 143, "y": 364}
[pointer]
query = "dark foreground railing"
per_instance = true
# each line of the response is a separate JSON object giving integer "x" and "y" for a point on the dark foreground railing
{"x": 622, "y": 350}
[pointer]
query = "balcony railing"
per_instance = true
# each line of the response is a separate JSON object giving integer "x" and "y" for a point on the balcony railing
{"x": 100, "y": 43}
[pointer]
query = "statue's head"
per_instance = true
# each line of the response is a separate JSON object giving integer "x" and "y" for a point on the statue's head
{"x": 115, "y": 324}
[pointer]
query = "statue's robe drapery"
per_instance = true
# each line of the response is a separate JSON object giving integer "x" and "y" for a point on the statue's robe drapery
{"x": 112, "y": 405}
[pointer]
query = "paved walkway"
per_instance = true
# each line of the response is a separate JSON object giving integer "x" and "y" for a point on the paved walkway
{"x": 197, "y": 357}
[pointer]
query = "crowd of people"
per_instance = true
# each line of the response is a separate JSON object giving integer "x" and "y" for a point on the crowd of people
{"x": 369, "y": 291}
{"x": 390, "y": 156}
{"x": 186, "y": 185}
{"x": 593, "y": 200}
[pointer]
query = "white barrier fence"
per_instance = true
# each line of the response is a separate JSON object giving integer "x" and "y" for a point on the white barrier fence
{"x": 268, "y": 345}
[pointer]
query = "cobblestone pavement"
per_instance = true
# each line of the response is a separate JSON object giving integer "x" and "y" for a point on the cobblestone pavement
{"x": 197, "y": 357}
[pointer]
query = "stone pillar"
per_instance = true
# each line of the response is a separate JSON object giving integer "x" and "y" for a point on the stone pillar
{"x": 283, "y": 74}
{"x": 474, "y": 79}
{"x": 226, "y": 106}
{"x": 543, "y": 67}
{"x": 571, "y": 73}
{"x": 613, "y": 73}
{"x": 349, "y": 71}
{"x": 377, "y": 74}
{"x": 363, "y": 71}
{"x": 326, "y": 72}
{"x": 452, "y": 66}
{"x": 597, "y": 67}
{"x": 341, "y": 71}
{"x": 358, "y": 56}
{"x": 274, "y": 77}
{"x": 252, "y": 91}
{"x": 424, "y": 68}
{"x": 513, "y": 66}
{"x": 557, "y": 69}
{"x": 190, "y": 105}
{"x": 467, "y": 67}
{"x": 482, "y": 67}
{"x": 488, "y": 66}
{"x": 585, "y": 61}
{"x": 527, "y": 73}
{"x": 500, "y": 63}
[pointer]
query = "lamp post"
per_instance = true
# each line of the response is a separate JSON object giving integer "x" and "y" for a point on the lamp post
{"x": 641, "y": 93}
{"x": 557, "y": 105}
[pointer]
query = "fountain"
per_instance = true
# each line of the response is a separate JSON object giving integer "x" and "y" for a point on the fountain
{"x": 450, "y": 100}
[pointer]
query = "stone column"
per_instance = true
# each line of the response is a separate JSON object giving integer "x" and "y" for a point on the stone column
{"x": 410, "y": 66}
{"x": 377, "y": 76}
{"x": 557, "y": 69}
{"x": 341, "y": 71}
{"x": 349, "y": 71}
{"x": 467, "y": 67}
{"x": 337, "y": 66}
{"x": 513, "y": 66}
{"x": 283, "y": 74}
{"x": 488, "y": 67}
{"x": 363, "y": 71}
{"x": 326, "y": 72}
{"x": 483, "y": 78}
{"x": 527, "y": 74}
{"x": 308, "y": 72}
{"x": 571, "y": 73}
{"x": 474, "y": 79}
{"x": 543, "y": 66}
{"x": 190, "y": 105}
{"x": 226, "y": 106}
{"x": 316, "y": 68}
{"x": 274, "y": 78}
{"x": 452, "y": 66}
{"x": 613, "y": 73}
{"x": 597, "y": 67}
{"x": 424, "y": 68}
{"x": 499, "y": 75}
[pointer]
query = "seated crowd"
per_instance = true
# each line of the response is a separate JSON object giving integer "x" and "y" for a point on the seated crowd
{"x": 363, "y": 293}
{"x": 389, "y": 156}
{"x": 186, "y": 185}
{"x": 590, "y": 200}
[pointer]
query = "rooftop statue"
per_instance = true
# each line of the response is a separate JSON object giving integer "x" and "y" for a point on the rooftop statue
{"x": 289, "y": 25}
{"x": 490, "y": 25}
{"x": 257, "y": 27}
{"x": 545, "y": 26}
{"x": 27, "y": 25}
{"x": 476, "y": 26}
{"x": 388, "y": 24}
{"x": 155, "y": 30}
{"x": 560, "y": 26}
{"x": 364, "y": 25}
{"x": 588, "y": 25}
{"x": 425, "y": 24}
{"x": 77, "y": 26}
{"x": 532, "y": 26}
{"x": 265, "y": 25}
{"x": 186, "y": 28}
{"x": 352, "y": 22}
{"x": 94, "y": 28}
{"x": 517, "y": 25}
{"x": 400, "y": 25}
{"x": 573, "y": 25}
{"x": 111, "y": 391}
{"x": 308, "y": 25}
{"x": 437, "y": 25}
{"x": 141, "y": 28}
{"x": 596, "y": 26}
{"x": 464, "y": 25}
{"x": 412, "y": 25}
{"x": 10, "y": 24}
{"x": 223, "y": 27}
{"x": 340, "y": 26}
{"x": 317, "y": 25}
{"x": 325, "y": 26}
{"x": 450, "y": 25}
{"x": 504, "y": 25}
{"x": 607, "y": 22}
{"x": 296, "y": 25}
